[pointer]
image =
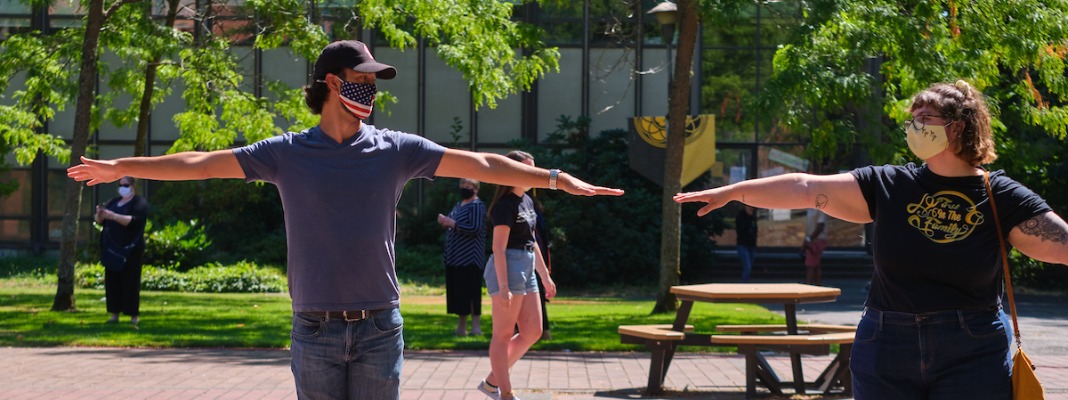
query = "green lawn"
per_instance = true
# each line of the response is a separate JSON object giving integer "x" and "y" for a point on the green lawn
{"x": 170, "y": 319}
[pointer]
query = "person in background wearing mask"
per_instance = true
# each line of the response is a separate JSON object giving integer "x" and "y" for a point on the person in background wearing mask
{"x": 745, "y": 225}
{"x": 123, "y": 219}
{"x": 465, "y": 256}
{"x": 340, "y": 182}
{"x": 932, "y": 326}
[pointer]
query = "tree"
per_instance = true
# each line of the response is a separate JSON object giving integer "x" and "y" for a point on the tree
{"x": 95, "y": 19}
{"x": 478, "y": 38}
{"x": 1014, "y": 51}
{"x": 678, "y": 109}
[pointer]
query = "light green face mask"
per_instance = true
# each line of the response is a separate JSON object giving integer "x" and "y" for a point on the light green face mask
{"x": 927, "y": 142}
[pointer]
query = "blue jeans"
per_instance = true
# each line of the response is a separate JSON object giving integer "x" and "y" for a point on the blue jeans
{"x": 940, "y": 355}
{"x": 337, "y": 359}
{"x": 746, "y": 255}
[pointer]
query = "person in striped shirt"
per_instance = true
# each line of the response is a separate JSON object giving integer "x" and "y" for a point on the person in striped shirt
{"x": 465, "y": 256}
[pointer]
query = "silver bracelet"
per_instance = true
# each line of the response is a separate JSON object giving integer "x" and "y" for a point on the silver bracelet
{"x": 553, "y": 174}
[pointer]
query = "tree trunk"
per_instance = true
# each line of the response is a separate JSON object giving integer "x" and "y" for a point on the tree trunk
{"x": 140, "y": 144}
{"x": 678, "y": 106}
{"x": 72, "y": 202}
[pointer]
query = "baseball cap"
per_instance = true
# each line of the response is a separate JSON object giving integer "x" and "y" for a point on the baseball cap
{"x": 350, "y": 54}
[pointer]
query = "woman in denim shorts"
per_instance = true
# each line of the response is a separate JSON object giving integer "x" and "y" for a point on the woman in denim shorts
{"x": 933, "y": 325}
{"x": 512, "y": 284}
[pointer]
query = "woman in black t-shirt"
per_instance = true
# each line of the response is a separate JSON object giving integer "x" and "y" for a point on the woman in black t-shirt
{"x": 512, "y": 284}
{"x": 932, "y": 325}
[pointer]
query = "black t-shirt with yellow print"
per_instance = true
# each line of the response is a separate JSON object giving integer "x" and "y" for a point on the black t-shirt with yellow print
{"x": 934, "y": 241}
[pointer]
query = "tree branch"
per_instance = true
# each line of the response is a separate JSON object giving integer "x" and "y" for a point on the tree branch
{"x": 116, "y": 6}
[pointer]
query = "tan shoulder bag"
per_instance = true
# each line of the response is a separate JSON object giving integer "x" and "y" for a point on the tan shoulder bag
{"x": 1025, "y": 384}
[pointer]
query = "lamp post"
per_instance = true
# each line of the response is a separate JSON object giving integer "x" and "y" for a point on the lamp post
{"x": 666, "y": 13}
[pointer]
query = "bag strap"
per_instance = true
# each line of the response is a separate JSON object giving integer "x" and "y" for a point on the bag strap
{"x": 1004, "y": 260}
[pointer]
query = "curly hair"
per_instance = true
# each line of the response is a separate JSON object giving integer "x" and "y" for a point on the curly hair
{"x": 962, "y": 102}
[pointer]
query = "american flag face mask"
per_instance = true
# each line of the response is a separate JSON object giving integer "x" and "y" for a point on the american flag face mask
{"x": 358, "y": 98}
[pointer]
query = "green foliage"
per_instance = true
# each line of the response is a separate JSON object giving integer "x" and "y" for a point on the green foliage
{"x": 420, "y": 264}
{"x": 47, "y": 62}
{"x": 1033, "y": 274}
{"x": 213, "y": 82}
{"x": 822, "y": 85}
{"x": 243, "y": 221}
{"x": 176, "y": 246}
{"x": 287, "y": 23}
{"x": 242, "y": 277}
{"x": 478, "y": 38}
{"x": 141, "y": 44}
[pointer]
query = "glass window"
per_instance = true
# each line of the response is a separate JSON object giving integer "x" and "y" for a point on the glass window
{"x": 57, "y": 193}
{"x": 502, "y": 124}
{"x": 733, "y": 164}
{"x": 559, "y": 93}
{"x": 402, "y": 115}
{"x": 14, "y": 7}
{"x": 611, "y": 89}
{"x": 86, "y": 231}
{"x": 15, "y": 229}
{"x": 162, "y": 120}
{"x": 14, "y": 17}
{"x": 447, "y": 98}
{"x": 655, "y": 82}
{"x": 122, "y": 101}
{"x": 19, "y": 202}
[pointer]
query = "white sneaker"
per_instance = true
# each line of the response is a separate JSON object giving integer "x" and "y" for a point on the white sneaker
{"x": 488, "y": 390}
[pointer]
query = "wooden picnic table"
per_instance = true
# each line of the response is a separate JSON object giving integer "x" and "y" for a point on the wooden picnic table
{"x": 787, "y": 294}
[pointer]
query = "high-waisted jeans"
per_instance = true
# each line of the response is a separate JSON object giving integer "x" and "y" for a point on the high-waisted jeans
{"x": 940, "y": 355}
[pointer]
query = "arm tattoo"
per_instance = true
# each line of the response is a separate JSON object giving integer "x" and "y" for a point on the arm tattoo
{"x": 821, "y": 201}
{"x": 1044, "y": 229}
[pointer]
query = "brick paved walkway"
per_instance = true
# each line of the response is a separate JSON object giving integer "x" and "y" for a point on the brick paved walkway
{"x": 110, "y": 373}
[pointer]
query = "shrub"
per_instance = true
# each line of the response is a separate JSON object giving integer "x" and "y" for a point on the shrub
{"x": 244, "y": 221}
{"x": 420, "y": 263}
{"x": 176, "y": 246}
{"x": 241, "y": 277}
{"x": 1033, "y": 274}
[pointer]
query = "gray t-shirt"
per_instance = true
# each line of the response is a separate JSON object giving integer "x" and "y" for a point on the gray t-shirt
{"x": 340, "y": 202}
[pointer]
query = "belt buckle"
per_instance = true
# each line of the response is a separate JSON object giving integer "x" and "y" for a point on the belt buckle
{"x": 363, "y": 314}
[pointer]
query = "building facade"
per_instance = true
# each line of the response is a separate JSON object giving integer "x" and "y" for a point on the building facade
{"x": 613, "y": 66}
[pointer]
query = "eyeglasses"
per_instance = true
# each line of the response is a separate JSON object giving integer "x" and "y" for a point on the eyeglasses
{"x": 918, "y": 122}
{"x": 125, "y": 184}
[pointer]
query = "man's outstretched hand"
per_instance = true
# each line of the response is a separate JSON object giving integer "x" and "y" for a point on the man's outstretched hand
{"x": 576, "y": 186}
{"x": 94, "y": 171}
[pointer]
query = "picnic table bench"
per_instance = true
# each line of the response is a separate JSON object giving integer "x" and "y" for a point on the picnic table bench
{"x": 660, "y": 340}
{"x": 815, "y": 340}
{"x": 751, "y": 340}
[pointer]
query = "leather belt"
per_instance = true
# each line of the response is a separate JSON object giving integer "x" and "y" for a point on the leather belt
{"x": 349, "y": 315}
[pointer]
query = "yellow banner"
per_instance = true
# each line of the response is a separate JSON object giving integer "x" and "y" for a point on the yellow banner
{"x": 698, "y": 156}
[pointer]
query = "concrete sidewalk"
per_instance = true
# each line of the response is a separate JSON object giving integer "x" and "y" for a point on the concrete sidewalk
{"x": 113, "y": 373}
